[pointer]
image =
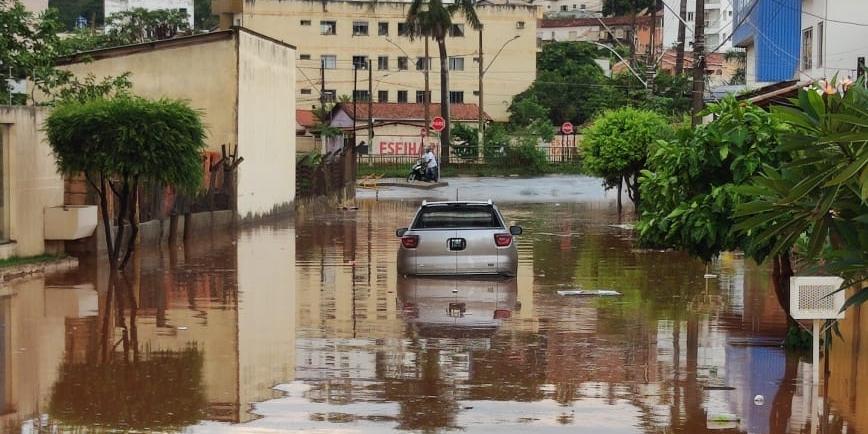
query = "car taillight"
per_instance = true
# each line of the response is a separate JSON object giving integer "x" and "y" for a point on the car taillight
{"x": 410, "y": 241}
{"x": 502, "y": 240}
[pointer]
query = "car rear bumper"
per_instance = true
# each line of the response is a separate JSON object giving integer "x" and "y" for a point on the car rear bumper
{"x": 506, "y": 265}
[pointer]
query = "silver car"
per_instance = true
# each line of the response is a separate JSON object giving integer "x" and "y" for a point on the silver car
{"x": 458, "y": 238}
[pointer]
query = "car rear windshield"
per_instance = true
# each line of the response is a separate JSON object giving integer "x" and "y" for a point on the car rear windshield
{"x": 457, "y": 216}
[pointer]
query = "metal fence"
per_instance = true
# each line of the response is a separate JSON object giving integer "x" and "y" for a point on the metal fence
{"x": 457, "y": 155}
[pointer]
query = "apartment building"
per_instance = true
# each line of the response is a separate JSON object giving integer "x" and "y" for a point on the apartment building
{"x": 832, "y": 36}
{"x": 115, "y": 6}
{"x": 718, "y": 24}
{"x": 337, "y": 40}
{"x": 609, "y": 30}
{"x": 572, "y": 8}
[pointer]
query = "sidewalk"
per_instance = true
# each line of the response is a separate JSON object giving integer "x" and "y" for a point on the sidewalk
{"x": 398, "y": 182}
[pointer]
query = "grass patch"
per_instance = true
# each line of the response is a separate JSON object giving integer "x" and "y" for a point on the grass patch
{"x": 38, "y": 259}
{"x": 401, "y": 170}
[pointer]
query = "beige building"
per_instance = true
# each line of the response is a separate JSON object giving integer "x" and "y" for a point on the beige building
{"x": 30, "y": 182}
{"x": 244, "y": 84}
{"x": 339, "y": 34}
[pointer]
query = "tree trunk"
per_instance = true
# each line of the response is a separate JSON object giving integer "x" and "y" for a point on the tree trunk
{"x": 134, "y": 224}
{"x": 444, "y": 103}
{"x": 620, "y": 188}
{"x": 698, "y": 63}
{"x": 679, "y": 48}
{"x": 782, "y": 270}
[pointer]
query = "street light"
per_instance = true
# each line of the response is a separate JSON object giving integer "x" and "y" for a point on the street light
{"x": 482, "y": 71}
{"x": 425, "y": 99}
{"x": 627, "y": 64}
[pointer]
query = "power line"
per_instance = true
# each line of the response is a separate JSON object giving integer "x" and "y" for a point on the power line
{"x": 852, "y": 23}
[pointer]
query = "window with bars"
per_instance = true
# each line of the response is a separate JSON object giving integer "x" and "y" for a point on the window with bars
{"x": 421, "y": 64}
{"x": 360, "y": 28}
{"x": 807, "y": 48}
{"x": 383, "y": 63}
{"x": 820, "y": 38}
{"x": 361, "y": 95}
{"x": 382, "y": 96}
{"x": 420, "y": 97}
{"x": 360, "y": 62}
{"x": 330, "y": 95}
{"x": 328, "y": 28}
{"x": 456, "y": 97}
{"x": 329, "y": 61}
{"x": 403, "y": 29}
{"x": 383, "y": 28}
{"x": 402, "y": 96}
{"x": 402, "y": 63}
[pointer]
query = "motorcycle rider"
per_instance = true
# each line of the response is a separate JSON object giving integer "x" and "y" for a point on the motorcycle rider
{"x": 431, "y": 169}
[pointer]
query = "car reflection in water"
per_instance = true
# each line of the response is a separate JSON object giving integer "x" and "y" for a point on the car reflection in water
{"x": 457, "y": 306}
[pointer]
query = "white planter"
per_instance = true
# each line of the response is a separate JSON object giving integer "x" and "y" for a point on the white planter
{"x": 70, "y": 222}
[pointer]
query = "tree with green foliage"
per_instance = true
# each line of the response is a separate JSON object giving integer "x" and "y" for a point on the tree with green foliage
{"x": 203, "y": 18}
{"x": 140, "y": 25}
{"x": 670, "y": 94}
{"x": 526, "y": 111}
{"x": 625, "y": 7}
{"x": 69, "y": 12}
{"x": 433, "y": 18}
{"x": 816, "y": 202}
{"x": 617, "y": 145}
{"x": 119, "y": 143}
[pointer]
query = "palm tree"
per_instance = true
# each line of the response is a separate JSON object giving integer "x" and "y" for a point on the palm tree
{"x": 431, "y": 18}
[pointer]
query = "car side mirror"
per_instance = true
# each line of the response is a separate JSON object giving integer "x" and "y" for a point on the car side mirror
{"x": 515, "y": 230}
{"x": 400, "y": 232}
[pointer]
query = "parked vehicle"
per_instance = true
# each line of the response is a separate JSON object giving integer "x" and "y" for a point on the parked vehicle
{"x": 458, "y": 238}
{"x": 419, "y": 172}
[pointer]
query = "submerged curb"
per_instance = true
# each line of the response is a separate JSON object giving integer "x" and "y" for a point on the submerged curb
{"x": 26, "y": 270}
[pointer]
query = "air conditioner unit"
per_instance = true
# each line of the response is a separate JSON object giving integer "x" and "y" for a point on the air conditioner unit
{"x": 815, "y": 297}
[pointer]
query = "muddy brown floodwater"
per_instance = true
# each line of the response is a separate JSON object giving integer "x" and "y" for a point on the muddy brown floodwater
{"x": 304, "y": 325}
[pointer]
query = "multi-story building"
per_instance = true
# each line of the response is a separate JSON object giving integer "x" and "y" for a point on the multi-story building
{"x": 572, "y": 8}
{"x": 718, "y": 24}
{"x": 833, "y": 36}
{"x": 337, "y": 40}
{"x": 610, "y": 30}
{"x": 769, "y": 32}
{"x": 115, "y": 6}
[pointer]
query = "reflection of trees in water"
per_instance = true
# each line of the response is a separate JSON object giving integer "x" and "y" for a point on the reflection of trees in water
{"x": 512, "y": 369}
{"x": 161, "y": 391}
{"x": 427, "y": 403}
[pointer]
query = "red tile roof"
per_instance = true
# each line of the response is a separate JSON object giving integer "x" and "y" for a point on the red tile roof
{"x": 305, "y": 118}
{"x": 411, "y": 111}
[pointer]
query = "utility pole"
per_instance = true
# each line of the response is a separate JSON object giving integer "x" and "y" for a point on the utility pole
{"x": 322, "y": 97}
{"x": 426, "y": 99}
{"x": 698, "y": 62}
{"x": 480, "y": 151}
{"x": 652, "y": 52}
{"x": 682, "y": 36}
{"x": 370, "y": 104}
{"x": 355, "y": 92}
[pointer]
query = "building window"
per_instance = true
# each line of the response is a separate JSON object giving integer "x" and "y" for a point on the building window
{"x": 456, "y": 97}
{"x": 475, "y": 93}
{"x": 330, "y": 95}
{"x": 383, "y": 63}
{"x": 574, "y": 6}
{"x": 402, "y": 96}
{"x": 820, "y": 38}
{"x": 403, "y": 29}
{"x": 420, "y": 96}
{"x": 328, "y": 28}
{"x": 456, "y": 64}
{"x": 182, "y": 11}
{"x": 360, "y": 62}
{"x": 305, "y": 22}
{"x": 402, "y": 63}
{"x": 382, "y": 96}
{"x": 421, "y": 64}
{"x": 456, "y": 31}
{"x": 519, "y": 25}
{"x": 563, "y": 8}
{"x": 807, "y": 48}
{"x": 305, "y": 91}
{"x": 361, "y": 95}
{"x": 690, "y": 16}
{"x": 383, "y": 29}
{"x": 360, "y": 28}
{"x": 583, "y": 6}
{"x": 329, "y": 61}
{"x": 304, "y": 56}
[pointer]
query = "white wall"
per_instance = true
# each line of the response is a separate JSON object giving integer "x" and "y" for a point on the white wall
{"x": 266, "y": 126}
{"x": 115, "y": 6}
{"x": 716, "y": 11}
{"x": 842, "y": 43}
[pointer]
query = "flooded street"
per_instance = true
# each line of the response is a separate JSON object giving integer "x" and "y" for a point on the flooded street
{"x": 304, "y": 325}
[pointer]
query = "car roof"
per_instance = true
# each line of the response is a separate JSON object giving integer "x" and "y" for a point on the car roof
{"x": 457, "y": 202}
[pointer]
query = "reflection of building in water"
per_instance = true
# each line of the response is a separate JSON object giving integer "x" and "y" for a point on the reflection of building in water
{"x": 35, "y": 320}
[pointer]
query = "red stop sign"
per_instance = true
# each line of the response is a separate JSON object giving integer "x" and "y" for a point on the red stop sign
{"x": 567, "y": 128}
{"x": 438, "y": 123}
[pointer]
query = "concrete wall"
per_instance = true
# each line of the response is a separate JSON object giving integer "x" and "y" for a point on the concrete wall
{"x": 511, "y": 73}
{"x": 842, "y": 44}
{"x": 30, "y": 180}
{"x": 266, "y": 126}
{"x": 203, "y": 73}
{"x": 35, "y": 5}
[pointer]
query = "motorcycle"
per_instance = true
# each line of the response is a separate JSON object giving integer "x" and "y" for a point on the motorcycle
{"x": 419, "y": 172}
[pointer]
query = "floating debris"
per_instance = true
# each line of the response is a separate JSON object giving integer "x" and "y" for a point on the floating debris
{"x": 710, "y": 276}
{"x": 759, "y": 400}
{"x": 181, "y": 328}
{"x": 719, "y": 388}
{"x": 589, "y": 293}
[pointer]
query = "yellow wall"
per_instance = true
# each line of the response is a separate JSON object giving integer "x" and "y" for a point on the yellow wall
{"x": 266, "y": 126}
{"x": 511, "y": 73}
{"x": 204, "y": 74}
{"x": 30, "y": 178}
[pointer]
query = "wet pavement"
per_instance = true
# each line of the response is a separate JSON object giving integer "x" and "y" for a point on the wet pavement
{"x": 304, "y": 325}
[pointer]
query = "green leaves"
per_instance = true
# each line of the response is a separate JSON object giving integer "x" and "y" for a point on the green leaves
{"x": 126, "y": 136}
